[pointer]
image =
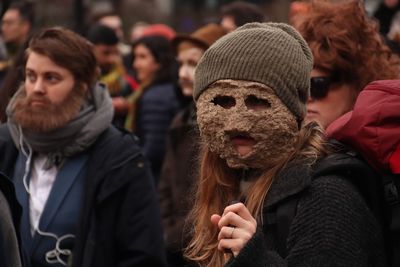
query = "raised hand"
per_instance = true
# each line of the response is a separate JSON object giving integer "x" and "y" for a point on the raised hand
{"x": 237, "y": 226}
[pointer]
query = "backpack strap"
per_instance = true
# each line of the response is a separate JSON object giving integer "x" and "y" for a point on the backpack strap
{"x": 391, "y": 186}
{"x": 278, "y": 221}
{"x": 284, "y": 216}
{"x": 392, "y": 197}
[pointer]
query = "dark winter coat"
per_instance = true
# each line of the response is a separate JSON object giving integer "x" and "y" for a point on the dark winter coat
{"x": 9, "y": 249}
{"x": 178, "y": 174}
{"x": 155, "y": 111}
{"x": 332, "y": 225}
{"x": 120, "y": 222}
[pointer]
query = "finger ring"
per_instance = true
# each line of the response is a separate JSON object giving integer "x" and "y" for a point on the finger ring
{"x": 233, "y": 229}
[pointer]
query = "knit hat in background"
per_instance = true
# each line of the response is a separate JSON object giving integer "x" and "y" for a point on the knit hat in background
{"x": 202, "y": 37}
{"x": 159, "y": 29}
{"x": 273, "y": 54}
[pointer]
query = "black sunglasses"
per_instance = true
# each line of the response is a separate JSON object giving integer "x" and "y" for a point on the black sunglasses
{"x": 319, "y": 87}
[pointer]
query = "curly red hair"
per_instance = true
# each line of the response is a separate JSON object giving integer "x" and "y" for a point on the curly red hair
{"x": 347, "y": 43}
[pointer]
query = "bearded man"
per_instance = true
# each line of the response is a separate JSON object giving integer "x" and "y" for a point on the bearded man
{"x": 85, "y": 188}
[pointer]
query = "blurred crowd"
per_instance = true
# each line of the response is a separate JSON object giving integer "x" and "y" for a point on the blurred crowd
{"x": 160, "y": 148}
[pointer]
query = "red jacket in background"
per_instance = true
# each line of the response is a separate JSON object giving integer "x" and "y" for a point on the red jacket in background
{"x": 373, "y": 127}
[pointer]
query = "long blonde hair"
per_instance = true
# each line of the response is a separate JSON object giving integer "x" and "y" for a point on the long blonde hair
{"x": 217, "y": 187}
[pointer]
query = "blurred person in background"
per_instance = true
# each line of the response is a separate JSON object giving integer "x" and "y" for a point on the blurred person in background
{"x": 12, "y": 81}
{"x": 16, "y": 27}
{"x": 155, "y": 102}
{"x": 136, "y": 31}
{"x": 113, "y": 20}
{"x": 181, "y": 160}
{"x": 393, "y": 37}
{"x": 159, "y": 29}
{"x": 297, "y": 10}
{"x": 4, "y": 62}
{"x": 238, "y": 13}
{"x": 82, "y": 183}
{"x": 113, "y": 74}
{"x": 348, "y": 54}
{"x": 385, "y": 13}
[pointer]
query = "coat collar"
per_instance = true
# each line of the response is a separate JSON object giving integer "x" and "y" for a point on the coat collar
{"x": 23, "y": 200}
{"x": 107, "y": 154}
{"x": 292, "y": 179}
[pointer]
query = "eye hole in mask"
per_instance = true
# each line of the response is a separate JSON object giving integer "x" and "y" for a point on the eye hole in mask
{"x": 255, "y": 103}
{"x": 226, "y": 102}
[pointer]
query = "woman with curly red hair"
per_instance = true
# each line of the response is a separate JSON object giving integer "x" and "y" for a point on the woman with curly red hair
{"x": 348, "y": 54}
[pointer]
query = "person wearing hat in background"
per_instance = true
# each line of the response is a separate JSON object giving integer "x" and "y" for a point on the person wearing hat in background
{"x": 159, "y": 29}
{"x": 112, "y": 72}
{"x": 179, "y": 168}
{"x": 155, "y": 103}
{"x": 251, "y": 89}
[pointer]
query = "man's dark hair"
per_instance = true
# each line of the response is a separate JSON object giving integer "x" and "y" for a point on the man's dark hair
{"x": 101, "y": 34}
{"x": 25, "y": 10}
{"x": 243, "y": 12}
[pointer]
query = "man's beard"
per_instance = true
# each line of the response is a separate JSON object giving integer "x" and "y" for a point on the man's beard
{"x": 50, "y": 116}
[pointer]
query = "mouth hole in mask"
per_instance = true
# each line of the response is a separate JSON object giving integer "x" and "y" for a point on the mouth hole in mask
{"x": 225, "y": 102}
{"x": 256, "y": 103}
{"x": 242, "y": 142}
{"x": 239, "y": 134}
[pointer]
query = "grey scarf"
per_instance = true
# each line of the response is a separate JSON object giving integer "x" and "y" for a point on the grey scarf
{"x": 81, "y": 132}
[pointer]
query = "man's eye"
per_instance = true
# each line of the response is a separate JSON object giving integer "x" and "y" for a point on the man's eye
{"x": 255, "y": 103}
{"x": 224, "y": 101}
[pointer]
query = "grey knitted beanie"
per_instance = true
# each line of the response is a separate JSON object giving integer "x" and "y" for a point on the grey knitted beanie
{"x": 273, "y": 54}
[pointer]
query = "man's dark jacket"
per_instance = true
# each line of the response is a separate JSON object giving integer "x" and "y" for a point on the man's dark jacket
{"x": 120, "y": 221}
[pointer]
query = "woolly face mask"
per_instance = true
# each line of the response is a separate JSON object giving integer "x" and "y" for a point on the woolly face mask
{"x": 246, "y": 124}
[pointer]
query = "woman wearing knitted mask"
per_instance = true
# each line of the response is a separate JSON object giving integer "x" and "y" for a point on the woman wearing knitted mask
{"x": 251, "y": 88}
